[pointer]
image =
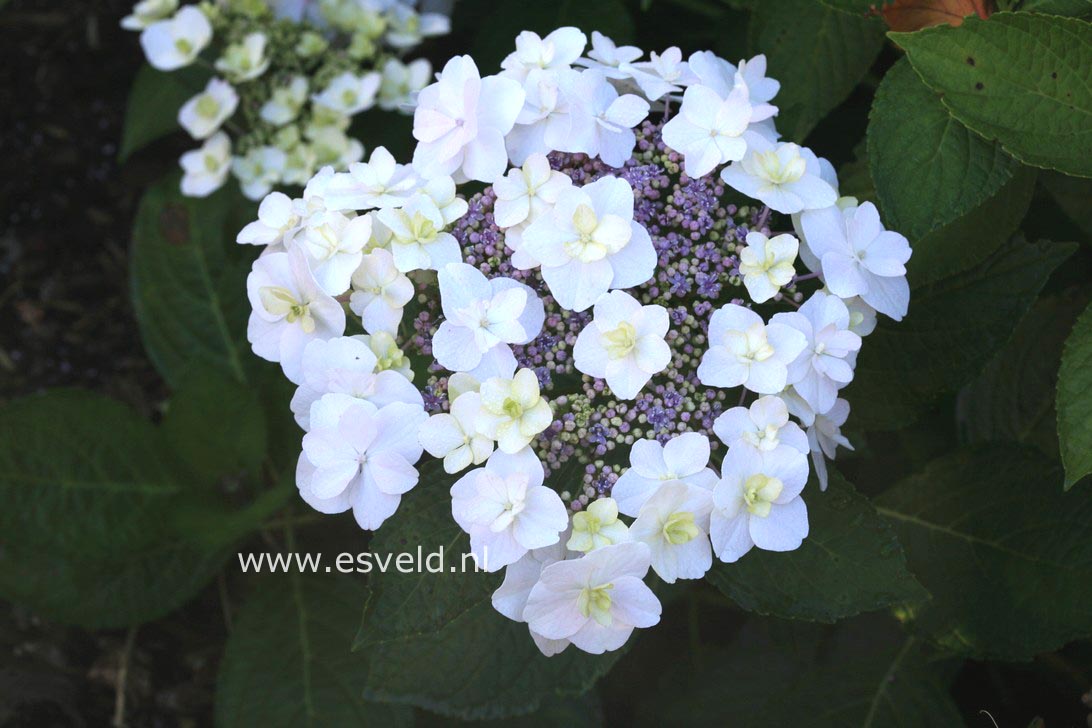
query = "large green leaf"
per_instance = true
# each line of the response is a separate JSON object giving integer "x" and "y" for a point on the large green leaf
{"x": 927, "y": 167}
{"x": 434, "y": 640}
{"x": 850, "y": 563}
{"x": 1074, "y": 403}
{"x": 1072, "y": 195}
{"x": 953, "y": 328}
{"x": 154, "y": 101}
{"x": 862, "y": 672}
{"x": 1006, "y": 555}
{"x": 189, "y": 280}
{"x": 95, "y": 523}
{"x": 1076, "y": 8}
{"x": 1019, "y": 78}
{"x": 288, "y": 661}
{"x": 817, "y": 53}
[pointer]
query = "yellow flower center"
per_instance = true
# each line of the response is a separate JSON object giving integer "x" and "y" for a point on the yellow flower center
{"x": 594, "y": 602}
{"x": 679, "y": 528}
{"x": 279, "y": 301}
{"x": 621, "y": 341}
{"x": 759, "y": 492}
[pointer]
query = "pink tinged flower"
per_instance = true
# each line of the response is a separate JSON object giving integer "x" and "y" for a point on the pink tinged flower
{"x": 757, "y": 502}
{"x": 623, "y": 344}
{"x": 363, "y": 460}
{"x": 507, "y": 510}
{"x": 763, "y": 426}
{"x": 684, "y": 459}
{"x": 380, "y": 292}
{"x": 709, "y": 130}
{"x": 461, "y": 121}
{"x": 745, "y": 351}
{"x": 290, "y": 310}
{"x": 603, "y": 121}
{"x": 858, "y": 257}
{"x": 826, "y": 363}
{"x": 595, "y": 601}
{"x": 784, "y": 176}
{"x": 674, "y": 523}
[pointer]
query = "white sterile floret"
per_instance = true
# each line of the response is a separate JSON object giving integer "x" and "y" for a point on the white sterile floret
{"x": 461, "y": 120}
{"x": 545, "y": 122}
{"x": 507, "y": 510}
{"x": 455, "y": 437}
{"x": 623, "y": 343}
{"x": 334, "y": 244}
{"x": 862, "y": 317}
{"x": 784, "y": 176}
{"x": 713, "y": 72}
{"x": 683, "y": 459}
{"x": 597, "y": 526}
{"x": 400, "y": 83}
{"x": 665, "y": 73}
{"x": 752, "y": 74}
{"x": 524, "y": 195}
{"x": 558, "y": 50}
{"x": 602, "y": 121}
{"x": 363, "y": 460}
{"x": 349, "y": 93}
{"x": 333, "y": 147}
{"x": 285, "y": 102}
{"x": 278, "y": 218}
{"x": 767, "y": 264}
{"x": 709, "y": 130}
{"x": 480, "y": 314}
{"x": 589, "y": 243}
{"x": 826, "y": 363}
{"x": 289, "y": 310}
{"x": 858, "y": 257}
{"x": 246, "y": 60}
{"x": 206, "y": 169}
{"x": 418, "y": 240}
{"x": 389, "y": 356}
{"x": 380, "y": 292}
{"x": 608, "y": 58}
{"x": 763, "y": 426}
{"x": 745, "y": 351}
{"x": 825, "y": 436}
{"x": 406, "y": 27}
{"x": 259, "y": 170}
{"x": 176, "y": 42}
{"x": 757, "y": 502}
{"x": 595, "y": 601}
{"x": 147, "y": 12}
{"x": 346, "y": 367}
{"x": 441, "y": 190}
{"x": 203, "y": 114}
{"x": 513, "y": 410}
{"x": 674, "y": 523}
{"x": 520, "y": 577}
{"x": 379, "y": 182}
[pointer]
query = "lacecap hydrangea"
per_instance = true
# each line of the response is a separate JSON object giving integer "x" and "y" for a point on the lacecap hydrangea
{"x": 285, "y": 79}
{"x": 624, "y": 349}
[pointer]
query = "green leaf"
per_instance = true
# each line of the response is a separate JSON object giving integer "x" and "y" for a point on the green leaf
{"x": 91, "y": 535}
{"x": 857, "y": 7}
{"x": 188, "y": 280}
{"x": 928, "y": 168}
{"x": 1072, "y": 195}
{"x": 433, "y": 640}
{"x": 854, "y": 177}
{"x": 950, "y": 333}
{"x": 862, "y": 672}
{"x": 1074, "y": 401}
{"x": 216, "y": 424}
{"x": 819, "y": 54}
{"x": 850, "y": 563}
{"x": 1019, "y": 78}
{"x": 1005, "y": 554}
{"x": 288, "y": 660}
{"x": 154, "y": 101}
{"x": 1075, "y": 8}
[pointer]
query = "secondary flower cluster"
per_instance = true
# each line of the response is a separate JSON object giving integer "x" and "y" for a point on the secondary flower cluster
{"x": 625, "y": 365}
{"x": 286, "y": 78}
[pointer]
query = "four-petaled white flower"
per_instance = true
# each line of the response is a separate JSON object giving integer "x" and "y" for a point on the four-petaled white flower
{"x": 545, "y": 122}
{"x": 455, "y": 437}
{"x": 603, "y": 121}
{"x": 709, "y": 130}
{"x": 285, "y": 102}
{"x": 379, "y": 182}
{"x": 744, "y": 350}
{"x": 147, "y": 12}
{"x": 674, "y": 523}
{"x": 349, "y": 93}
{"x": 558, "y": 50}
{"x": 597, "y": 526}
{"x": 514, "y": 410}
{"x": 480, "y": 314}
{"x": 767, "y": 264}
{"x": 461, "y": 121}
{"x": 590, "y": 243}
{"x": 826, "y": 363}
{"x": 784, "y": 176}
{"x": 524, "y": 195}
{"x": 763, "y": 426}
{"x": 246, "y": 60}
{"x": 380, "y": 292}
{"x": 203, "y": 114}
{"x": 623, "y": 343}
{"x": 278, "y": 217}
{"x": 595, "y": 601}
{"x": 609, "y": 59}
{"x": 510, "y": 598}
{"x": 361, "y": 458}
{"x": 665, "y": 73}
{"x": 418, "y": 240}
{"x": 334, "y": 244}
{"x": 858, "y": 257}
{"x": 757, "y": 502}
{"x": 507, "y": 510}
{"x": 205, "y": 170}
{"x": 176, "y": 42}
{"x": 683, "y": 459}
{"x": 289, "y": 310}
